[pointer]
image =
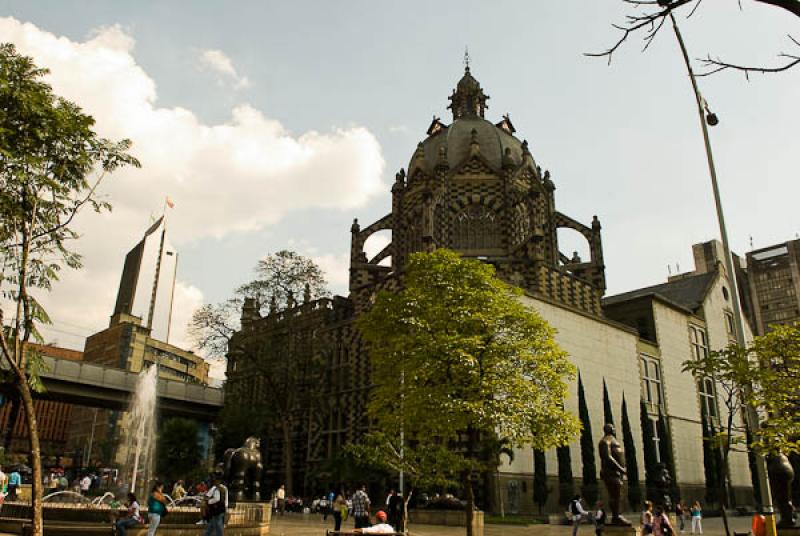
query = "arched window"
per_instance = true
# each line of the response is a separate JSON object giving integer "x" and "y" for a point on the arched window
{"x": 476, "y": 227}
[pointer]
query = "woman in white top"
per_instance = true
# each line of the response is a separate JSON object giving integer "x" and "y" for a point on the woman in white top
{"x": 131, "y": 519}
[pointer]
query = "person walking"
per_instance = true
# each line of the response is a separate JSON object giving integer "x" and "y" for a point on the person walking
{"x": 281, "y": 495}
{"x": 599, "y": 519}
{"x": 679, "y": 510}
{"x": 132, "y": 517}
{"x": 339, "y": 511}
{"x": 578, "y": 513}
{"x": 647, "y": 519}
{"x": 216, "y": 504}
{"x": 156, "y": 508}
{"x": 360, "y": 501}
{"x": 394, "y": 508}
{"x": 661, "y": 524}
{"x": 14, "y": 483}
{"x": 697, "y": 518}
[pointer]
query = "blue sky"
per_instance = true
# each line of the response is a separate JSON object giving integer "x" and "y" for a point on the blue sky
{"x": 348, "y": 89}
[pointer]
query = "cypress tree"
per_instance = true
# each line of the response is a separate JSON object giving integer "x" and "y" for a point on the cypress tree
{"x": 649, "y": 451}
{"x": 566, "y": 488}
{"x": 540, "y": 488}
{"x": 608, "y": 414}
{"x": 751, "y": 461}
{"x": 710, "y": 456}
{"x": 665, "y": 453}
{"x": 589, "y": 470}
{"x": 632, "y": 466}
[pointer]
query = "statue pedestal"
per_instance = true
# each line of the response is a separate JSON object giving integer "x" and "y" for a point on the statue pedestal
{"x": 621, "y": 530}
{"x": 788, "y": 531}
{"x": 251, "y": 518}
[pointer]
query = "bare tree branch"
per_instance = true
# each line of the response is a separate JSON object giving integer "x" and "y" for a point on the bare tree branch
{"x": 716, "y": 65}
{"x": 655, "y": 13}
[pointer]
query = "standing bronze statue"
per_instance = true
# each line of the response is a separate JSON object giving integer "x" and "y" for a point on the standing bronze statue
{"x": 612, "y": 471}
{"x": 781, "y": 475}
{"x": 243, "y": 470}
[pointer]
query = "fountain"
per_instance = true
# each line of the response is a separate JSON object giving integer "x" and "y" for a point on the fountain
{"x": 140, "y": 433}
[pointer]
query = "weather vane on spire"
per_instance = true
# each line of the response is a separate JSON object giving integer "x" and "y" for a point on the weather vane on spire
{"x": 466, "y": 58}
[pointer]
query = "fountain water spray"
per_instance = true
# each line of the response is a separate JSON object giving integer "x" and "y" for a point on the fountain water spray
{"x": 140, "y": 438}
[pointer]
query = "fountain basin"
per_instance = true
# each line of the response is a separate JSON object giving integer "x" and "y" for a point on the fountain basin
{"x": 243, "y": 519}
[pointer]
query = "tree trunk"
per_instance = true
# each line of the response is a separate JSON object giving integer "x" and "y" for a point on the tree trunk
{"x": 286, "y": 427}
{"x": 470, "y": 508}
{"x": 36, "y": 458}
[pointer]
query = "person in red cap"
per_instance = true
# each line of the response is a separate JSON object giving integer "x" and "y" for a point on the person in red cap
{"x": 382, "y": 527}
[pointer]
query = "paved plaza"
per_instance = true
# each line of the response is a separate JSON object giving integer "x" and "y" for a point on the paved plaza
{"x": 312, "y": 525}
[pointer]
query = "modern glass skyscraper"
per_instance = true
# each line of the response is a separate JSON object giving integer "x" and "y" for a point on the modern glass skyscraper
{"x": 148, "y": 281}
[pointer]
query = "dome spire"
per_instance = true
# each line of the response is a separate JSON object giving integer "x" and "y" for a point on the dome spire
{"x": 468, "y": 99}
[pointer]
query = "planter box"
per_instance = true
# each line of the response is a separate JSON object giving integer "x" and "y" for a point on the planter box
{"x": 448, "y": 518}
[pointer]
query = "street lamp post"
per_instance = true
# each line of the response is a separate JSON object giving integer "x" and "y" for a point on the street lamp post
{"x": 709, "y": 118}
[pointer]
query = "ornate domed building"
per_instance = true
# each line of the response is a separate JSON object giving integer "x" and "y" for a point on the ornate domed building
{"x": 473, "y": 186}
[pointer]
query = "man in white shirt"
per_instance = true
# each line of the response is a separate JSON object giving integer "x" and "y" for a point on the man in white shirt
{"x": 382, "y": 527}
{"x": 217, "y": 503}
{"x": 281, "y": 499}
{"x": 578, "y": 513}
{"x": 86, "y": 483}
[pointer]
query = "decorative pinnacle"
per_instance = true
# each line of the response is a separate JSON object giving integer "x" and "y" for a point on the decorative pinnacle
{"x": 466, "y": 59}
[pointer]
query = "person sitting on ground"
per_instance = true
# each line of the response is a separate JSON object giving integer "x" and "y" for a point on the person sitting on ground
{"x": 132, "y": 518}
{"x": 382, "y": 527}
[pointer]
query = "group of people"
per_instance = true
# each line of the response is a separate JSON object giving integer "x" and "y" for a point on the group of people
{"x": 654, "y": 521}
{"x": 214, "y": 506}
{"x": 9, "y": 485}
{"x": 387, "y": 520}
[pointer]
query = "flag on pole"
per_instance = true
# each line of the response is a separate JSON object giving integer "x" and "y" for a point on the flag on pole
{"x": 170, "y": 204}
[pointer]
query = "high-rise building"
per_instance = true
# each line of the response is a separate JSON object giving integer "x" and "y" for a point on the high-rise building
{"x": 774, "y": 276}
{"x": 148, "y": 281}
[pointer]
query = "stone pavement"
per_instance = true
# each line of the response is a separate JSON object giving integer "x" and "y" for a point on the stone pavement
{"x": 312, "y": 525}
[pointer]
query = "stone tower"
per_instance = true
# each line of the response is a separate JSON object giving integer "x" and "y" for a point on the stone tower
{"x": 474, "y": 187}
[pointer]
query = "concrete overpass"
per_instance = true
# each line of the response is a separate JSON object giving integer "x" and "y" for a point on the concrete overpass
{"x": 97, "y": 386}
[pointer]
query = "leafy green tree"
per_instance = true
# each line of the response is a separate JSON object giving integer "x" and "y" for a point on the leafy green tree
{"x": 51, "y": 163}
{"x": 456, "y": 359}
{"x": 631, "y": 464}
{"x": 608, "y": 413}
{"x": 540, "y": 488}
{"x": 179, "y": 452}
{"x": 764, "y": 375}
{"x": 589, "y": 466}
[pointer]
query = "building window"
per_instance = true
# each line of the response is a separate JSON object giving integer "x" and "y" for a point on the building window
{"x": 476, "y": 227}
{"x": 699, "y": 342}
{"x": 656, "y": 440}
{"x": 708, "y": 397}
{"x": 729, "y": 324}
{"x": 652, "y": 390}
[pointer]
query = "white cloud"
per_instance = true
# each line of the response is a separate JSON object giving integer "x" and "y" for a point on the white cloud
{"x": 240, "y": 175}
{"x": 220, "y": 63}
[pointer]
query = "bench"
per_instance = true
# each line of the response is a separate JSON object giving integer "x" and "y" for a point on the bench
{"x": 352, "y": 533}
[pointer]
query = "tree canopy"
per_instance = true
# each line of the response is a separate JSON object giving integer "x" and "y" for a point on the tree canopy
{"x": 281, "y": 277}
{"x": 458, "y": 360}
{"x": 51, "y": 163}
